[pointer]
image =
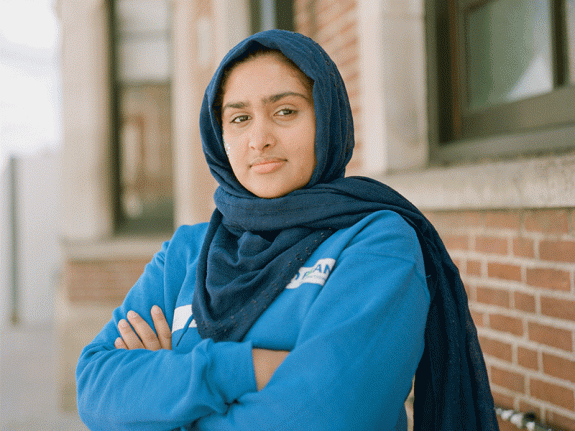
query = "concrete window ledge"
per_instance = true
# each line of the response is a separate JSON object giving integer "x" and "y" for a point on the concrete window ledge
{"x": 546, "y": 182}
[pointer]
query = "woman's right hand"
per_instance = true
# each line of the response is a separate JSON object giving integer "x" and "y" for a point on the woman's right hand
{"x": 266, "y": 363}
{"x": 143, "y": 336}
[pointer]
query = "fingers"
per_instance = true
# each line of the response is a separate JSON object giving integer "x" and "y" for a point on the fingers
{"x": 144, "y": 331}
{"x": 162, "y": 328}
{"x": 119, "y": 343}
{"x": 129, "y": 337}
{"x": 142, "y": 336}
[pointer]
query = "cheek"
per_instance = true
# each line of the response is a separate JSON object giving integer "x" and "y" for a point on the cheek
{"x": 229, "y": 143}
{"x": 310, "y": 149}
{"x": 231, "y": 150}
{"x": 233, "y": 159}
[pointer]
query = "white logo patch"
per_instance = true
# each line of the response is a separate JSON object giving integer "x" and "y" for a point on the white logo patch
{"x": 316, "y": 274}
{"x": 181, "y": 316}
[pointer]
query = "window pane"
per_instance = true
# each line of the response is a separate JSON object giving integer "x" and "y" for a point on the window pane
{"x": 508, "y": 44}
{"x": 143, "y": 16}
{"x": 144, "y": 40}
{"x": 144, "y": 60}
{"x": 143, "y": 53}
{"x": 146, "y": 169}
{"x": 570, "y": 15}
{"x": 268, "y": 14}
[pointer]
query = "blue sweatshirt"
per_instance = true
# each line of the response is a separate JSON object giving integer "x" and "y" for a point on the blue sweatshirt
{"x": 353, "y": 319}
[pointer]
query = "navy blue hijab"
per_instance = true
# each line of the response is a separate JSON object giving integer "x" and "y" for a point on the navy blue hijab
{"x": 254, "y": 246}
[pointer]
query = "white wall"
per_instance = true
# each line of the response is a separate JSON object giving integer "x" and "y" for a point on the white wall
{"x": 5, "y": 244}
{"x": 38, "y": 249}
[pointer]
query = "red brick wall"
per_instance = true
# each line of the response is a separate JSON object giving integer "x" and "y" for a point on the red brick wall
{"x": 333, "y": 24}
{"x": 518, "y": 267}
{"x": 101, "y": 281}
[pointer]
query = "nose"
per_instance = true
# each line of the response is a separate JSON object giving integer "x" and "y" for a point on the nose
{"x": 262, "y": 135}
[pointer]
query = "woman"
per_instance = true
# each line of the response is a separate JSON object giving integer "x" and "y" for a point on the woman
{"x": 309, "y": 301}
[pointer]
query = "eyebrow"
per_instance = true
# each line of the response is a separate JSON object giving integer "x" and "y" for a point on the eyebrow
{"x": 270, "y": 99}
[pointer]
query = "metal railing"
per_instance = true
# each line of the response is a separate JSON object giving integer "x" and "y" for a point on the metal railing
{"x": 521, "y": 420}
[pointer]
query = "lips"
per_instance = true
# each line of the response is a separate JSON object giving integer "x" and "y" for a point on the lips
{"x": 266, "y": 165}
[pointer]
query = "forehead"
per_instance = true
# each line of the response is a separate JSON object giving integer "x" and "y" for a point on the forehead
{"x": 269, "y": 73}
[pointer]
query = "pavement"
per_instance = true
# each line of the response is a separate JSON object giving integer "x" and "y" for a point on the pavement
{"x": 29, "y": 395}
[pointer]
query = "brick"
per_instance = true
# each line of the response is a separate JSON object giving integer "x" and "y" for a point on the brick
{"x": 523, "y": 247}
{"x": 557, "y": 251}
{"x": 491, "y": 245}
{"x": 550, "y": 336}
{"x": 496, "y": 348}
{"x": 101, "y": 281}
{"x": 487, "y": 295}
{"x": 506, "y": 425}
{"x": 478, "y": 318}
{"x": 524, "y": 302}
{"x": 559, "y": 308}
{"x": 470, "y": 290}
{"x": 332, "y": 10}
{"x": 548, "y": 278}
{"x": 456, "y": 242}
{"x": 458, "y": 263}
{"x": 502, "y": 400}
{"x": 473, "y": 218}
{"x": 547, "y": 221}
{"x": 559, "y": 367}
{"x": 527, "y": 407}
{"x": 527, "y": 358}
{"x": 440, "y": 220}
{"x": 560, "y": 422}
{"x": 552, "y": 393}
{"x": 436, "y": 218}
{"x": 504, "y": 271}
{"x": 503, "y": 219}
{"x": 473, "y": 267}
{"x": 447, "y": 221}
{"x": 507, "y": 379}
{"x": 511, "y": 325}
{"x": 335, "y": 37}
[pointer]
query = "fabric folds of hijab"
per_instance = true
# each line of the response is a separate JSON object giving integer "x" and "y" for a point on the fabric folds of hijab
{"x": 254, "y": 246}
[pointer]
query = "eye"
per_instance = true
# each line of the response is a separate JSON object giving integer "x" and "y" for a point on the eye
{"x": 239, "y": 119}
{"x": 286, "y": 111}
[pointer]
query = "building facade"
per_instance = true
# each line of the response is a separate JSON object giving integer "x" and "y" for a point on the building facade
{"x": 491, "y": 165}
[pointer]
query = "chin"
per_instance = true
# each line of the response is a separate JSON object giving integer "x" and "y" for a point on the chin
{"x": 270, "y": 194}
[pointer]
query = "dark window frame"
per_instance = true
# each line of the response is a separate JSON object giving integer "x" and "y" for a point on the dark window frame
{"x": 282, "y": 11}
{"x": 542, "y": 123}
{"x": 122, "y": 224}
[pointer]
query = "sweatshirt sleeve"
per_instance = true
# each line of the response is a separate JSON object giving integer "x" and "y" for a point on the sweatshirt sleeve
{"x": 358, "y": 349}
{"x": 157, "y": 390}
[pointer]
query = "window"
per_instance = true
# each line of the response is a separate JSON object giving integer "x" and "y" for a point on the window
{"x": 503, "y": 67}
{"x": 266, "y": 14}
{"x": 141, "y": 74}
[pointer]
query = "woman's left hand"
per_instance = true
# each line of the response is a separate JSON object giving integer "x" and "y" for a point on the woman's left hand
{"x": 143, "y": 336}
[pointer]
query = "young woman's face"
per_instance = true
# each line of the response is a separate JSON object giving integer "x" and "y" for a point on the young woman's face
{"x": 268, "y": 123}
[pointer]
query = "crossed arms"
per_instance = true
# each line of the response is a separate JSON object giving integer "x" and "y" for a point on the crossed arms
{"x": 142, "y": 336}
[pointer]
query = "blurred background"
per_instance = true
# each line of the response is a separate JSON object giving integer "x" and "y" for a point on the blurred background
{"x": 464, "y": 106}
{"x": 30, "y": 214}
